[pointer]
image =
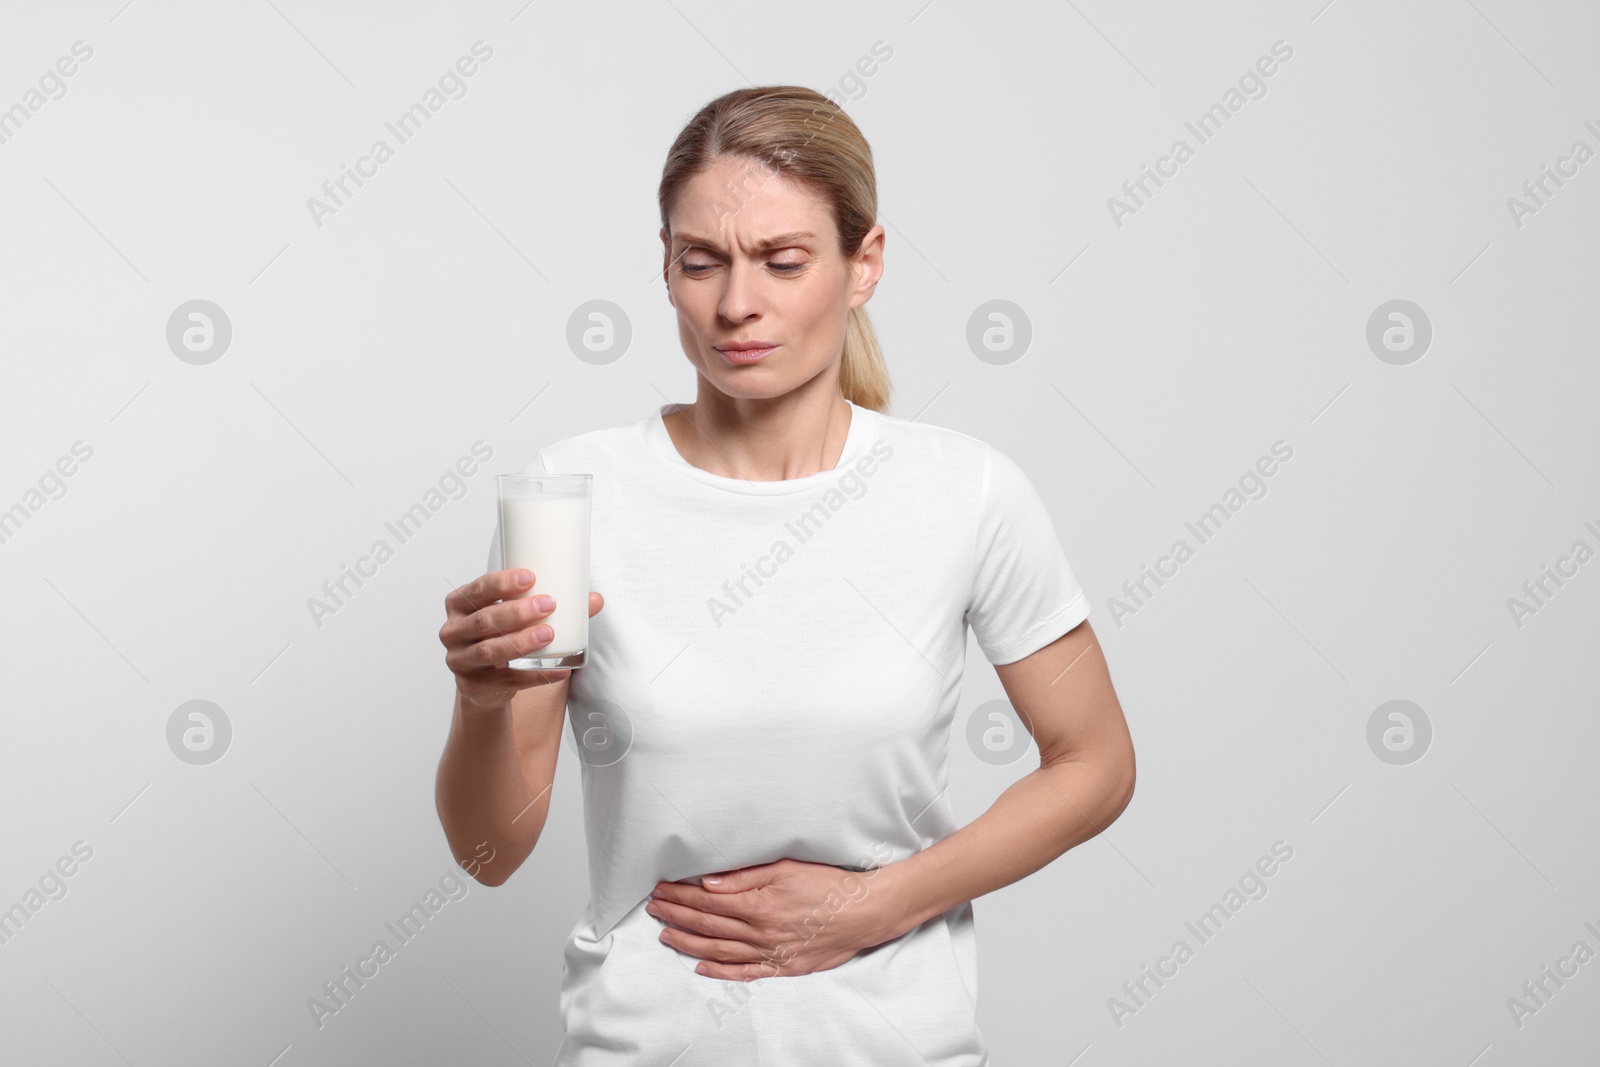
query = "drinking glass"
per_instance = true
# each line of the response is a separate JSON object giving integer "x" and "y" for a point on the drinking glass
{"x": 544, "y": 526}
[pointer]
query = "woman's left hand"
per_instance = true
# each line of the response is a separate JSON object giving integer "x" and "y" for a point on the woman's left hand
{"x": 787, "y": 917}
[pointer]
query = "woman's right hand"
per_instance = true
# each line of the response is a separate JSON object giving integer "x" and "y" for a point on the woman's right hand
{"x": 488, "y": 624}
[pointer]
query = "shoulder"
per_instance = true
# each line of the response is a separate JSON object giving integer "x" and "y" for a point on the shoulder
{"x": 958, "y": 463}
{"x": 953, "y": 451}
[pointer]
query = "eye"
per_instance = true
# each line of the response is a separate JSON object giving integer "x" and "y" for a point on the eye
{"x": 700, "y": 268}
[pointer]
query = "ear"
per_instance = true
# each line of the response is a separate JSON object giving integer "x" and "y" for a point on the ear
{"x": 868, "y": 264}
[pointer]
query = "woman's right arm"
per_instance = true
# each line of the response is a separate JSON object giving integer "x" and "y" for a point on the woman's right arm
{"x": 493, "y": 786}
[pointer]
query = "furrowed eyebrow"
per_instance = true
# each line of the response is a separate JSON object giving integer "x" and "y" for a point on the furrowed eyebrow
{"x": 782, "y": 240}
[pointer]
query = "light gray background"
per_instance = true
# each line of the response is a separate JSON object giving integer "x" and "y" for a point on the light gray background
{"x": 1167, "y": 355}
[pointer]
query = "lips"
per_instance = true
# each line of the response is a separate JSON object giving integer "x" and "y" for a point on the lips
{"x": 746, "y": 351}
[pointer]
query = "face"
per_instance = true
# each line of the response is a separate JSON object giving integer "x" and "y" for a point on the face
{"x": 753, "y": 256}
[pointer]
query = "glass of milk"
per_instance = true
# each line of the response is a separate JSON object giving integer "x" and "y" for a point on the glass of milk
{"x": 544, "y": 526}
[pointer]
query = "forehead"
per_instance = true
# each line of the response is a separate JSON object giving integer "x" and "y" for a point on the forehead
{"x": 739, "y": 203}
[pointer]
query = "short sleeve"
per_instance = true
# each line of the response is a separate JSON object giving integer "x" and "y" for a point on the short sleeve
{"x": 535, "y": 466}
{"x": 1024, "y": 594}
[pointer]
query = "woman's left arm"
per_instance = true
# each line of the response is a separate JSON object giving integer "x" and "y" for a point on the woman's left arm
{"x": 1063, "y": 694}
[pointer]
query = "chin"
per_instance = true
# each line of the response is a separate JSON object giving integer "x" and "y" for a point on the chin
{"x": 753, "y": 390}
{"x": 750, "y": 383}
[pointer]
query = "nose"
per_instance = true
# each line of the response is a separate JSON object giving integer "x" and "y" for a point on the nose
{"x": 740, "y": 295}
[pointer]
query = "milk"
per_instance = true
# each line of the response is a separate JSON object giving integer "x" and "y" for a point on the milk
{"x": 548, "y": 534}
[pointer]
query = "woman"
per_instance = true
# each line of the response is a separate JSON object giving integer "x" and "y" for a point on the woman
{"x": 765, "y": 711}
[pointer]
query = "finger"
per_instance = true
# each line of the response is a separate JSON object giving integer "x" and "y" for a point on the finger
{"x": 490, "y": 638}
{"x": 498, "y": 651}
{"x": 737, "y": 881}
{"x": 712, "y": 949}
{"x": 699, "y": 922}
{"x": 731, "y": 904}
{"x": 739, "y": 972}
{"x": 486, "y": 589}
{"x": 499, "y": 619}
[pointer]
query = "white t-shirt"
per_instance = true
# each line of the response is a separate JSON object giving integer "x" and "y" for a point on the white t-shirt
{"x": 775, "y": 674}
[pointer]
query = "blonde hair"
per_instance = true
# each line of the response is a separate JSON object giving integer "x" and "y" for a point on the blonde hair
{"x": 807, "y": 138}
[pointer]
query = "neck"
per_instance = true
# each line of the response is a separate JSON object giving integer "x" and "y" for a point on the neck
{"x": 762, "y": 440}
